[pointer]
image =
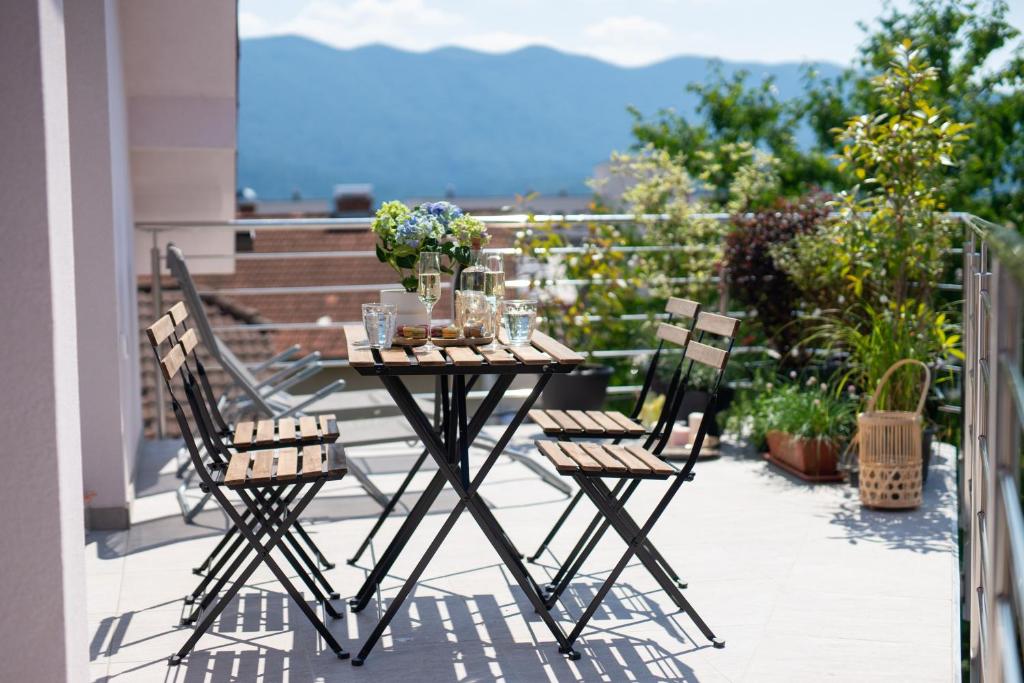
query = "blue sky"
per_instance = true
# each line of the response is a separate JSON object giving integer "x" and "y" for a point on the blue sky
{"x": 626, "y": 32}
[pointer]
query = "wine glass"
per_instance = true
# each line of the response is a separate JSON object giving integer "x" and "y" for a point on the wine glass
{"x": 494, "y": 290}
{"x": 429, "y": 287}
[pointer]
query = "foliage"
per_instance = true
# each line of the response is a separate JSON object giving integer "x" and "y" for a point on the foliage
{"x": 809, "y": 410}
{"x": 875, "y": 338}
{"x": 610, "y": 284}
{"x": 754, "y": 278}
{"x": 732, "y": 113}
{"x": 978, "y": 61}
{"x": 660, "y": 195}
{"x": 886, "y": 240}
{"x": 439, "y": 226}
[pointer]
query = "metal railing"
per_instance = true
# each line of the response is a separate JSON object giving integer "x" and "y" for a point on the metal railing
{"x": 993, "y": 410}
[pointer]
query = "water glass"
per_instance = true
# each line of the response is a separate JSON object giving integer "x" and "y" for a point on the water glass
{"x": 380, "y": 321}
{"x": 519, "y": 317}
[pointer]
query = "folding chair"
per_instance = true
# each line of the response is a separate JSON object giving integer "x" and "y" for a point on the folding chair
{"x": 219, "y": 439}
{"x": 267, "y": 482}
{"x": 595, "y": 424}
{"x": 589, "y": 464}
{"x": 270, "y": 398}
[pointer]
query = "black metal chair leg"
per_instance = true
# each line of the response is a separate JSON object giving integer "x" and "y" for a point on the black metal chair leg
{"x": 571, "y": 563}
{"x": 313, "y": 547}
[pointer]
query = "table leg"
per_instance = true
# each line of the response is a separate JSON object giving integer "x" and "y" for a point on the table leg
{"x": 469, "y": 498}
{"x": 430, "y": 494}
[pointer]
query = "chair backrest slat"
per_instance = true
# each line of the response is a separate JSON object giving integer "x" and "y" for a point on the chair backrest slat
{"x": 682, "y": 307}
{"x": 707, "y": 355}
{"x": 159, "y": 331}
{"x": 178, "y": 313}
{"x": 674, "y": 334}
{"x": 189, "y": 341}
{"x": 172, "y": 362}
{"x": 718, "y": 324}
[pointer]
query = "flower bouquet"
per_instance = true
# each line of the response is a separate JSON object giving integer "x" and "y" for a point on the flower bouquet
{"x": 402, "y": 233}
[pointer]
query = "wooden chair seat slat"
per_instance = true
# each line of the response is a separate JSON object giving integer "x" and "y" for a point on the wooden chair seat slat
{"x": 287, "y": 464}
{"x": 554, "y": 453}
{"x": 567, "y": 424}
{"x": 584, "y": 459}
{"x": 541, "y": 418}
{"x": 329, "y": 428}
{"x": 262, "y": 467}
{"x": 609, "y": 425}
{"x": 603, "y": 458}
{"x": 631, "y": 426}
{"x": 307, "y": 428}
{"x": 656, "y": 464}
{"x": 286, "y": 429}
{"x": 634, "y": 464}
{"x": 589, "y": 425}
{"x": 243, "y": 433}
{"x": 237, "y": 470}
{"x": 265, "y": 432}
{"x": 312, "y": 461}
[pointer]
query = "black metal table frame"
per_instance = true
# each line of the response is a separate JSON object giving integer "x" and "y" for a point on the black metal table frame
{"x": 449, "y": 446}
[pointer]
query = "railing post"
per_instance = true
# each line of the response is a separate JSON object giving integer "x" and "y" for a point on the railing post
{"x": 158, "y": 308}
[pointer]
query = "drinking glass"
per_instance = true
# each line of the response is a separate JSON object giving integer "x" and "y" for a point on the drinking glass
{"x": 380, "y": 321}
{"x": 494, "y": 289}
{"x": 520, "y": 317}
{"x": 429, "y": 287}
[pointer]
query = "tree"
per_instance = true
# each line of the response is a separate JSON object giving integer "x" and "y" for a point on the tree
{"x": 978, "y": 61}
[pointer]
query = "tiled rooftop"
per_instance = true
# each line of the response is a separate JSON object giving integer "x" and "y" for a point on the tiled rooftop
{"x": 802, "y": 582}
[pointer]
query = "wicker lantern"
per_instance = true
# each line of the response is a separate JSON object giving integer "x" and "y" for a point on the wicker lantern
{"x": 890, "y": 449}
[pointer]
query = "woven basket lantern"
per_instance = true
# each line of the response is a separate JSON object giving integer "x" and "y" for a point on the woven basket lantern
{"x": 890, "y": 449}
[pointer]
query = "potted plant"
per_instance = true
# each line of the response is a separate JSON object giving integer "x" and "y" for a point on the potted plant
{"x": 402, "y": 233}
{"x": 803, "y": 426}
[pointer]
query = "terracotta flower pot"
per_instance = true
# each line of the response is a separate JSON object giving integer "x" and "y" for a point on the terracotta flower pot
{"x": 813, "y": 457}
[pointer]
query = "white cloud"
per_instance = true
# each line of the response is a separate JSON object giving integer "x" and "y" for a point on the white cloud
{"x": 409, "y": 24}
{"x": 501, "y": 41}
{"x": 629, "y": 40}
{"x": 252, "y": 25}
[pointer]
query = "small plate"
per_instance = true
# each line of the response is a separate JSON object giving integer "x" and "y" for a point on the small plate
{"x": 408, "y": 342}
{"x": 465, "y": 341}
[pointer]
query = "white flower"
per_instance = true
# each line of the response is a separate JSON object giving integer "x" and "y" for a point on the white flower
{"x": 884, "y": 299}
{"x": 792, "y": 374}
{"x": 823, "y": 386}
{"x": 841, "y": 299}
{"x": 811, "y": 380}
{"x": 769, "y": 386}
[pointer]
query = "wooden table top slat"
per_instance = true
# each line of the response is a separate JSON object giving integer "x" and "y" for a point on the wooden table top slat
{"x": 432, "y": 357}
{"x": 396, "y": 355}
{"x": 463, "y": 355}
{"x": 359, "y": 354}
{"x": 556, "y": 349}
{"x": 498, "y": 356}
{"x": 530, "y": 355}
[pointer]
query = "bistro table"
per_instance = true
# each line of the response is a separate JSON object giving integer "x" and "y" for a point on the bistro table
{"x": 456, "y": 369}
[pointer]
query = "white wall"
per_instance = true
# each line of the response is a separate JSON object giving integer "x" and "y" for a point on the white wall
{"x": 108, "y": 340}
{"x": 42, "y": 594}
{"x": 180, "y": 79}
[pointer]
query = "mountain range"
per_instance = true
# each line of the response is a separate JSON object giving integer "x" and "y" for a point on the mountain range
{"x": 472, "y": 123}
